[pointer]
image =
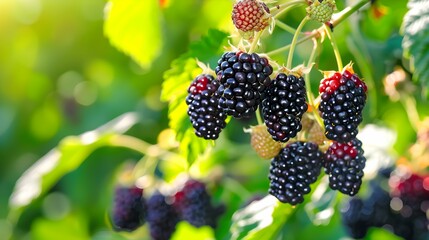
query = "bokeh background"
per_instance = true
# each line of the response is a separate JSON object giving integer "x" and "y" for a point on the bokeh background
{"x": 60, "y": 76}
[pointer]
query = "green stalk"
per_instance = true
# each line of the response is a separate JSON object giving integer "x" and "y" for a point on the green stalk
{"x": 334, "y": 47}
{"x": 294, "y": 42}
{"x": 258, "y": 117}
{"x": 255, "y": 42}
{"x": 279, "y": 9}
{"x": 285, "y": 27}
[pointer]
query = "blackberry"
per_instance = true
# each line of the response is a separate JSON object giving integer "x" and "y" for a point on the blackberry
{"x": 129, "y": 208}
{"x": 321, "y": 10}
{"x": 250, "y": 15}
{"x": 243, "y": 80}
{"x": 284, "y": 106}
{"x": 263, "y": 144}
{"x": 291, "y": 172}
{"x": 206, "y": 117}
{"x": 343, "y": 98}
{"x": 356, "y": 225}
{"x": 344, "y": 165}
{"x": 193, "y": 204}
{"x": 162, "y": 217}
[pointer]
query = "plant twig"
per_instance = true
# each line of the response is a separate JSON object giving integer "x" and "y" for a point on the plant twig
{"x": 294, "y": 42}
{"x": 334, "y": 47}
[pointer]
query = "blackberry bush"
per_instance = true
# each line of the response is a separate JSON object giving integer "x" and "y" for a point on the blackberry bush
{"x": 291, "y": 172}
{"x": 162, "y": 217}
{"x": 243, "y": 80}
{"x": 193, "y": 203}
{"x": 206, "y": 117}
{"x": 129, "y": 208}
{"x": 344, "y": 165}
{"x": 343, "y": 98}
{"x": 284, "y": 106}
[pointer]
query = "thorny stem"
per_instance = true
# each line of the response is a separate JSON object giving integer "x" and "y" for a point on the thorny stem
{"x": 294, "y": 42}
{"x": 317, "y": 33}
{"x": 310, "y": 96}
{"x": 334, "y": 47}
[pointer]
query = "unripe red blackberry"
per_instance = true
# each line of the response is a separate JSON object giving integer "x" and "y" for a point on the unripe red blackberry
{"x": 193, "y": 203}
{"x": 283, "y": 106}
{"x": 206, "y": 117}
{"x": 250, "y": 15}
{"x": 321, "y": 10}
{"x": 129, "y": 208}
{"x": 243, "y": 80}
{"x": 344, "y": 165}
{"x": 291, "y": 172}
{"x": 263, "y": 144}
{"x": 343, "y": 98}
{"x": 162, "y": 217}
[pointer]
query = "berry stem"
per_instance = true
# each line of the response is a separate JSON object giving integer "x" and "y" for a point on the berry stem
{"x": 310, "y": 96}
{"x": 255, "y": 41}
{"x": 317, "y": 32}
{"x": 334, "y": 47}
{"x": 409, "y": 104}
{"x": 258, "y": 117}
{"x": 294, "y": 42}
{"x": 281, "y": 8}
{"x": 285, "y": 27}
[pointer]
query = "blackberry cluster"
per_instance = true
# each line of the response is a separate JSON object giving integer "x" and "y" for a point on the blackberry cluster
{"x": 343, "y": 98}
{"x": 291, "y": 172}
{"x": 193, "y": 204}
{"x": 344, "y": 165}
{"x": 162, "y": 217}
{"x": 129, "y": 208}
{"x": 388, "y": 211}
{"x": 243, "y": 79}
{"x": 206, "y": 117}
{"x": 284, "y": 106}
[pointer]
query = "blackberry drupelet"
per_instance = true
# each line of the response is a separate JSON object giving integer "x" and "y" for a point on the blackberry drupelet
{"x": 283, "y": 106}
{"x": 344, "y": 165}
{"x": 291, "y": 172}
{"x": 193, "y": 203}
{"x": 343, "y": 98}
{"x": 162, "y": 217}
{"x": 206, "y": 117}
{"x": 129, "y": 208}
{"x": 243, "y": 80}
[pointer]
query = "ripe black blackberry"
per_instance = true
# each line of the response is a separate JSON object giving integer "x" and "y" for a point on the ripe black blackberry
{"x": 206, "y": 117}
{"x": 193, "y": 203}
{"x": 343, "y": 98}
{"x": 162, "y": 217}
{"x": 243, "y": 79}
{"x": 283, "y": 106}
{"x": 291, "y": 172}
{"x": 344, "y": 165}
{"x": 129, "y": 208}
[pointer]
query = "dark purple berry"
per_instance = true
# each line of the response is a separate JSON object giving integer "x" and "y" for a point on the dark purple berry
{"x": 162, "y": 217}
{"x": 296, "y": 167}
{"x": 283, "y": 106}
{"x": 129, "y": 208}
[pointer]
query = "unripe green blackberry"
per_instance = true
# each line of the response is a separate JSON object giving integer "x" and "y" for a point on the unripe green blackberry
{"x": 263, "y": 144}
{"x": 321, "y": 10}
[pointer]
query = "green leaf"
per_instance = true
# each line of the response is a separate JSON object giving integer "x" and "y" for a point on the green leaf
{"x": 175, "y": 89}
{"x": 185, "y": 230}
{"x": 134, "y": 27}
{"x": 261, "y": 219}
{"x": 68, "y": 228}
{"x": 67, "y": 156}
{"x": 416, "y": 38}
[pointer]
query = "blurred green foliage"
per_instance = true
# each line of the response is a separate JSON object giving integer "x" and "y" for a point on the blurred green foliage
{"x": 63, "y": 72}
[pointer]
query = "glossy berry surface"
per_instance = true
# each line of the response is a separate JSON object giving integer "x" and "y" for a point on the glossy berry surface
{"x": 250, "y": 15}
{"x": 193, "y": 203}
{"x": 291, "y": 172}
{"x": 283, "y": 106}
{"x": 162, "y": 217}
{"x": 243, "y": 80}
{"x": 343, "y": 97}
{"x": 206, "y": 117}
{"x": 129, "y": 208}
{"x": 344, "y": 165}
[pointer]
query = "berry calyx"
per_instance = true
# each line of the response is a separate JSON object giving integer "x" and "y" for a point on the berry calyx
{"x": 250, "y": 15}
{"x": 262, "y": 143}
{"x": 206, "y": 117}
{"x": 321, "y": 10}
